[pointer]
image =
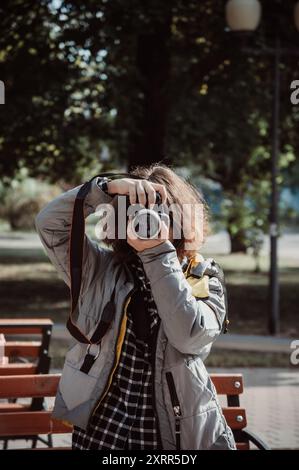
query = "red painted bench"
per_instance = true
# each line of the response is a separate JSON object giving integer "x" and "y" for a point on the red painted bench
{"x": 20, "y": 422}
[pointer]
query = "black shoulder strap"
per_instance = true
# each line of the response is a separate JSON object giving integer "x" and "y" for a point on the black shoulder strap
{"x": 75, "y": 266}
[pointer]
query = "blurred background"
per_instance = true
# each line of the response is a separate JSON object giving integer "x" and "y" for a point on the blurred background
{"x": 209, "y": 87}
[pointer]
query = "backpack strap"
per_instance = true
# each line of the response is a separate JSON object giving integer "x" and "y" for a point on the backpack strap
{"x": 200, "y": 267}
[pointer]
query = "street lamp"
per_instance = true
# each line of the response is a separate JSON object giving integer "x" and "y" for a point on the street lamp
{"x": 244, "y": 16}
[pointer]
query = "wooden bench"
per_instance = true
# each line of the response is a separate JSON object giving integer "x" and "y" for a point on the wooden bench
{"x": 24, "y": 423}
{"x": 20, "y": 423}
{"x": 25, "y": 355}
{"x": 231, "y": 385}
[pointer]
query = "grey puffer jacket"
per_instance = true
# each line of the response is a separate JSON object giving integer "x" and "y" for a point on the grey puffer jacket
{"x": 192, "y": 311}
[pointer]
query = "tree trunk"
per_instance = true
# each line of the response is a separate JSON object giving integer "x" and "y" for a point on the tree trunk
{"x": 237, "y": 242}
{"x": 147, "y": 141}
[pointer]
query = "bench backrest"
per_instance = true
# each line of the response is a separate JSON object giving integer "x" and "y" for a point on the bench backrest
{"x": 26, "y": 356}
{"x": 27, "y": 422}
{"x": 231, "y": 385}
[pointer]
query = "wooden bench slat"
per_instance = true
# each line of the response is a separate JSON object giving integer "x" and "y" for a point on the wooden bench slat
{"x": 22, "y": 348}
{"x": 17, "y": 386}
{"x": 17, "y": 422}
{"x": 25, "y": 322}
{"x": 17, "y": 369}
{"x": 13, "y": 407}
{"x": 21, "y": 330}
{"x": 228, "y": 384}
{"x": 235, "y": 417}
{"x": 31, "y": 423}
{"x": 10, "y": 326}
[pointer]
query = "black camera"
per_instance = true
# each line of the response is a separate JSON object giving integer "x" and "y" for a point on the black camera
{"x": 146, "y": 222}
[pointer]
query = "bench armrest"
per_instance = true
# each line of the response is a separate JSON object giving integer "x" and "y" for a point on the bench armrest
{"x": 259, "y": 443}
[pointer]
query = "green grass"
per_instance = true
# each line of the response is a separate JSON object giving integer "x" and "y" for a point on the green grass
{"x": 217, "y": 357}
{"x": 234, "y": 358}
{"x": 248, "y": 302}
{"x": 30, "y": 286}
{"x": 58, "y": 350}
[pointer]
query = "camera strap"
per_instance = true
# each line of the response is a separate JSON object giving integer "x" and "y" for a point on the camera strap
{"x": 77, "y": 236}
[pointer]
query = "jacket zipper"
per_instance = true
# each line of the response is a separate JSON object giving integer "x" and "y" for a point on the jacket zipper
{"x": 176, "y": 408}
{"x": 117, "y": 356}
{"x": 153, "y": 385}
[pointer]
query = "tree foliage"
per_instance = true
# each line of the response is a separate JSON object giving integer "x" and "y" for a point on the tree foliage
{"x": 153, "y": 80}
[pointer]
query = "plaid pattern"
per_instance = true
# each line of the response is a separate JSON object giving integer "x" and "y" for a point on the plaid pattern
{"x": 125, "y": 418}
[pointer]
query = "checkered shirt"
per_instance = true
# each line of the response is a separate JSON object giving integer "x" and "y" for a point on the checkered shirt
{"x": 125, "y": 418}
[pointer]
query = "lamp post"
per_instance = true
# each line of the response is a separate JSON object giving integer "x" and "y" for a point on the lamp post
{"x": 244, "y": 16}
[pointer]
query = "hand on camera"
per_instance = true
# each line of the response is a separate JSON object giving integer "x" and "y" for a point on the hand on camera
{"x": 137, "y": 190}
{"x": 141, "y": 192}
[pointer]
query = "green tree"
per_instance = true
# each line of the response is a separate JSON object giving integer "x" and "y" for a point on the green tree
{"x": 153, "y": 80}
{"x": 43, "y": 125}
{"x": 183, "y": 92}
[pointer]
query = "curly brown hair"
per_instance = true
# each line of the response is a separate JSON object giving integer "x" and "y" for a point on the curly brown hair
{"x": 179, "y": 192}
